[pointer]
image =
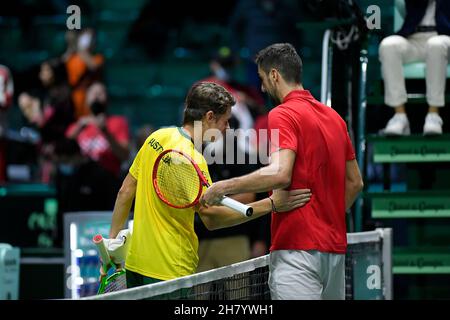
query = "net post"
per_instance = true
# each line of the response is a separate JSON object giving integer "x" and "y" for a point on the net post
{"x": 386, "y": 234}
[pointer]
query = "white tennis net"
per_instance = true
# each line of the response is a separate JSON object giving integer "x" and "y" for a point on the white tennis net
{"x": 368, "y": 276}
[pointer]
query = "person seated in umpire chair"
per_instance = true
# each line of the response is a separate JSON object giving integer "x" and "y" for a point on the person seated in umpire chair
{"x": 423, "y": 37}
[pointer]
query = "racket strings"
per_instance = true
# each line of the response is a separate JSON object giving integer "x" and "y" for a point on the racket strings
{"x": 177, "y": 180}
{"x": 116, "y": 282}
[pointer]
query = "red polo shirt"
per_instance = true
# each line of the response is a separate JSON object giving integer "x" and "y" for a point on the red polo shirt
{"x": 319, "y": 137}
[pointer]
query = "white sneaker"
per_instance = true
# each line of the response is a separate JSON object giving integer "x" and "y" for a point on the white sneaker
{"x": 433, "y": 124}
{"x": 398, "y": 125}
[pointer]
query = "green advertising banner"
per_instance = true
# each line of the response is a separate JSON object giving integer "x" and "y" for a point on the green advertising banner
{"x": 425, "y": 204}
{"x": 421, "y": 261}
{"x": 414, "y": 148}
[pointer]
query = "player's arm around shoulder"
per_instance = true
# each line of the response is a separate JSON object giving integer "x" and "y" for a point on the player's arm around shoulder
{"x": 277, "y": 175}
{"x": 217, "y": 217}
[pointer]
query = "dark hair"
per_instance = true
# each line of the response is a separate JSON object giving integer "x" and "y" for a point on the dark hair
{"x": 282, "y": 57}
{"x": 59, "y": 70}
{"x": 204, "y": 97}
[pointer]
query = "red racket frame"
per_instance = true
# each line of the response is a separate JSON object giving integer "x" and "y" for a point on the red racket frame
{"x": 201, "y": 177}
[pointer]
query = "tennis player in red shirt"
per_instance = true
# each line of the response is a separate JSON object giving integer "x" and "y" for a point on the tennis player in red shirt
{"x": 307, "y": 253}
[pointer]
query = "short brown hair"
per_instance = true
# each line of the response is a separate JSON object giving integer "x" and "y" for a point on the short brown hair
{"x": 204, "y": 97}
{"x": 282, "y": 57}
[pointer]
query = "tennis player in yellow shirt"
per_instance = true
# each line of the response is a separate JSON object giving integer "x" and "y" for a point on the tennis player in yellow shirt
{"x": 164, "y": 244}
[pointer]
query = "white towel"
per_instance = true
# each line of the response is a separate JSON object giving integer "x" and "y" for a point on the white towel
{"x": 118, "y": 247}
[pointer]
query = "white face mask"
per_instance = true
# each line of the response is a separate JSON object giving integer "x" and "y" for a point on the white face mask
{"x": 84, "y": 42}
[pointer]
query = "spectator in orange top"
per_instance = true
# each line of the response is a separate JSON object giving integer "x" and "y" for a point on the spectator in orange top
{"x": 84, "y": 68}
{"x": 71, "y": 38}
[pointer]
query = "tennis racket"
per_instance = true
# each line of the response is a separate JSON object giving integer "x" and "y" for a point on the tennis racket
{"x": 116, "y": 281}
{"x": 179, "y": 182}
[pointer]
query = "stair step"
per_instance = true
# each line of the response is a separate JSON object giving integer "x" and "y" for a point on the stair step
{"x": 157, "y": 110}
{"x": 421, "y": 260}
{"x": 416, "y": 204}
{"x": 131, "y": 74}
{"x": 413, "y": 148}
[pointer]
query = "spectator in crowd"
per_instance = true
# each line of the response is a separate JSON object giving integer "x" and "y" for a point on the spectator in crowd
{"x": 249, "y": 102}
{"x": 103, "y": 138}
{"x": 223, "y": 65}
{"x": 6, "y": 96}
{"x": 84, "y": 68}
{"x": 424, "y": 36}
{"x": 49, "y": 110}
{"x": 71, "y": 39}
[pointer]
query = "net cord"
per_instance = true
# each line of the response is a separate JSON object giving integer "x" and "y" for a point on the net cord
{"x": 168, "y": 286}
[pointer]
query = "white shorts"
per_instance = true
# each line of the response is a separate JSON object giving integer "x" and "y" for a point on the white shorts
{"x": 306, "y": 275}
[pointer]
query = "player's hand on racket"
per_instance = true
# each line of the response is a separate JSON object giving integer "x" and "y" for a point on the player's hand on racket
{"x": 104, "y": 273}
{"x": 214, "y": 194}
{"x": 289, "y": 200}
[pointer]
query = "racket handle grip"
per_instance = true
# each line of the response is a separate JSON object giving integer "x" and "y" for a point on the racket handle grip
{"x": 236, "y": 205}
{"x": 101, "y": 247}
